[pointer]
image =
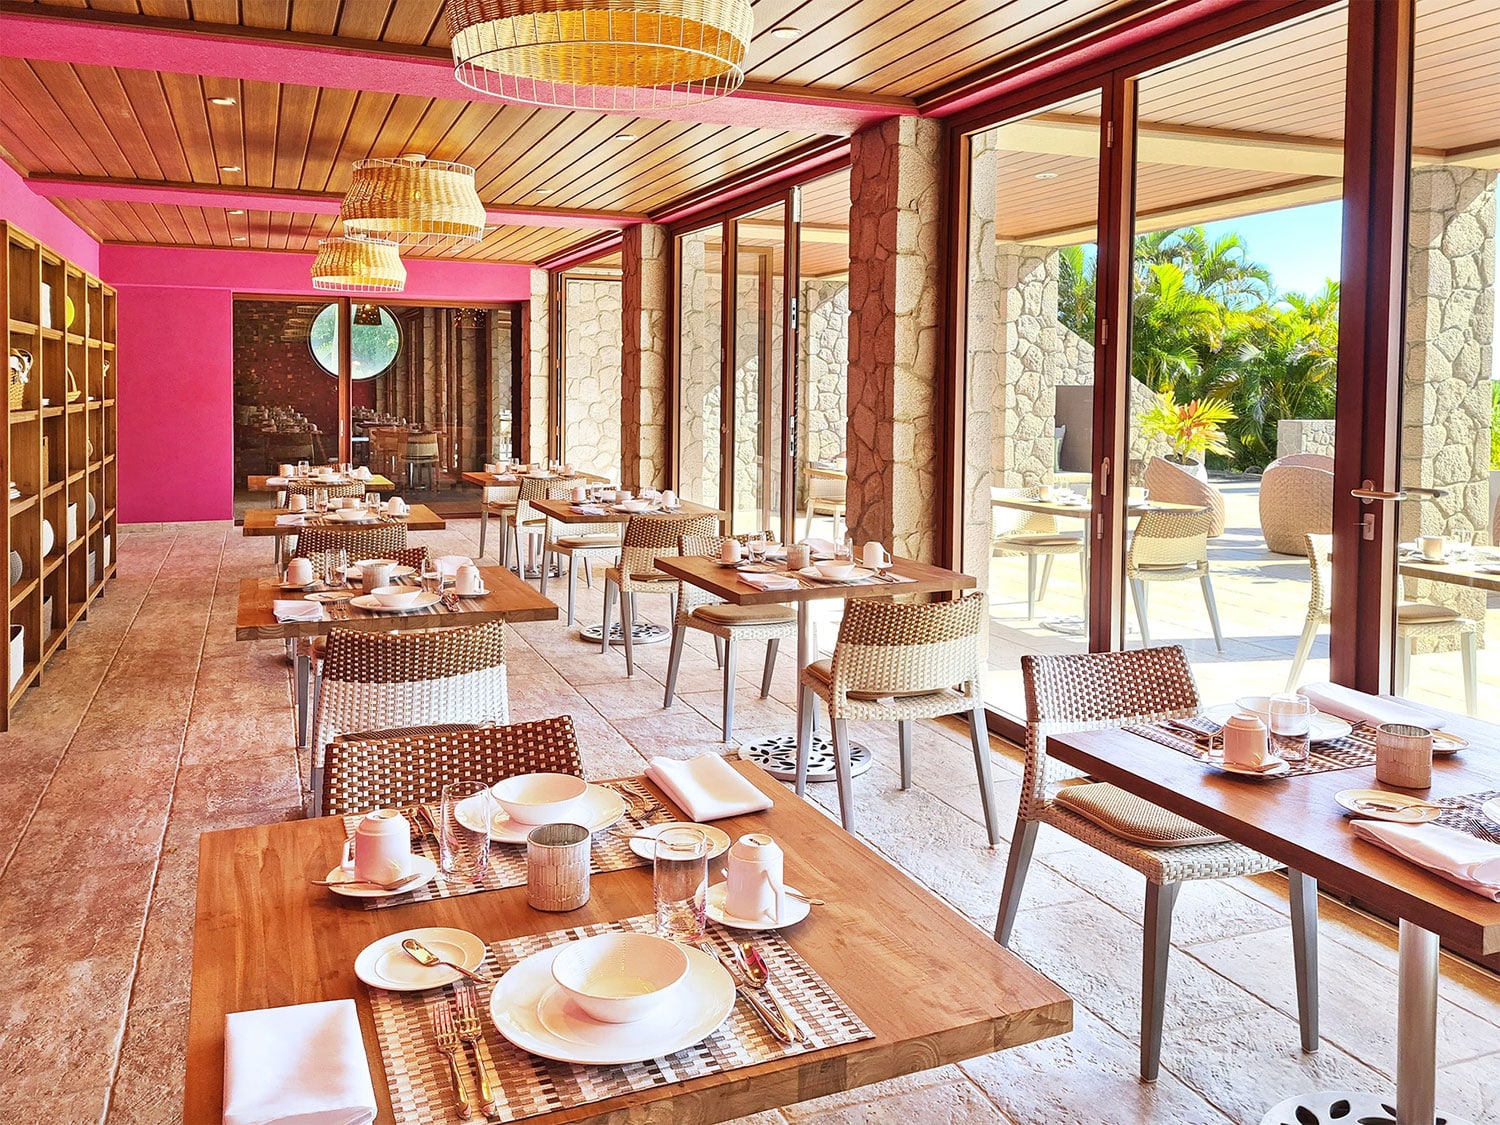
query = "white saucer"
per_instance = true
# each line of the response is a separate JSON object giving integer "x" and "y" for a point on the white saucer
{"x": 397, "y": 570}
{"x": 859, "y": 574}
{"x": 718, "y": 839}
{"x": 796, "y": 910}
{"x": 1445, "y": 745}
{"x": 601, "y": 808}
{"x": 1491, "y": 809}
{"x": 529, "y": 1009}
{"x": 1324, "y": 727}
{"x": 384, "y": 964}
{"x": 372, "y": 603}
{"x": 1415, "y": 811}
{"x": 479, "y": 593}
{"x": 422, "y": 870}
{"x": 1281, "y": 769}
{"x": 351, "y": 515}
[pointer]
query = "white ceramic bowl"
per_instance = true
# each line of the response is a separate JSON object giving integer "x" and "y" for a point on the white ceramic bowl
{"x": 397, "y": 597}
{"x": 620, "y": 978}
{"x": 835, "y": 568}
{"x": 634, "y": 505}
{"x": 540, "y": 798}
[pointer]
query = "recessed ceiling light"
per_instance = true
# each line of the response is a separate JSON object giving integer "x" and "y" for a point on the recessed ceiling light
{"x": 785, "y": 32}
{"x": 1046, "y": 175}
{"x": 237, "y": 211}
{"x": 545, "y": 190}
{"x": 239, "y": 238}
{"x": 624, "y": 136}
{"x": 221, "y": 101}
{"x": 229, "y": 167}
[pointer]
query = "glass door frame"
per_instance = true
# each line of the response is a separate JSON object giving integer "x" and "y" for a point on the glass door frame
{"x": 557, "y": 397}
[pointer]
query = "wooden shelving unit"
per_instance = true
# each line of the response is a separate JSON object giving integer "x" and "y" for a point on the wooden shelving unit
{"x": 59, "y": 453}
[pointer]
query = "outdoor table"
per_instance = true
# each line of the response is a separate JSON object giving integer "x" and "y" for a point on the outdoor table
{"x": 261, "y": 522}
{"x": 778, "y": 755}
{"x": 1296, "y": 821}
{"x": 375, "y": 483}
{"x": 487, "y": 480}
{"x": 1458, "y": 573}
{"x": 933, "y": 987}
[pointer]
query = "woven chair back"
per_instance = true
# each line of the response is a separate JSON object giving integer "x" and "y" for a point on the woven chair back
{"x": 1176, "y": 485}
{"x": 648, "y": 538}
{"x": 689, "y": 595}
{"x": 353, "y": 488}
{"x": 1319, "y": 548}
{"x": 414, "y": 766}
{"x": 1081, "y": 691}
{"x": 379, "y": 542}
{"x": 534, "y": 489}
{"x": 825, "y": 488}
{"x": 1164, "y": 539}
{"x": 556, "y": 529}
{"x": 1014, "y": 521}
{"x": 897, "y": 647}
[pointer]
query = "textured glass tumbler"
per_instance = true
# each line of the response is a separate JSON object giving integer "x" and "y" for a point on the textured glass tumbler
{"x": 679, "y": 884}
{"x": 557, "y": 866}
{"x": 1290, "y": 726}
{"x": 464, "y": 849}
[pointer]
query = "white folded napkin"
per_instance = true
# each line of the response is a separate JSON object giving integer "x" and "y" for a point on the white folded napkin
{"x": 288, "y": 610}
{"x": 304, "y": 1063}
{"x": 588, "y": 509}
{"x": 362, "y": 473}
{"x": 291, "y": 519}
{"x": 278, "y": 481}
{"x": 448, "y": 564}
{"x": 821, "y": 546}
{"x": 707, "y": 787}
{"x": 508, "y": 478}
{"x": 1346, "y": 703}
{"x": 771, "y": 581}
{"x": 1470, "y": 862}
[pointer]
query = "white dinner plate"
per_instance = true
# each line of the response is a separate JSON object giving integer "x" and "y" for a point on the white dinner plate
{"x": 794, "y": 910}
{"x": 384, "y": 964}
{"x": 601, "y": 808}
{"x": 533, "y": 1012}
{"x": 422, "y": 870}
{"x": 372, "y": 603}
{"x": 1413, "y": 811}
{"x": 328, "y": 596}
{"x": 859, "y": 574}
{"x": 1324, "y": 727}
{"x": 351, "y": 515}
{"x": 1491, "y": 809}
{"x": 718, "y": 839}
{"x": 1445, "y": 745}
{"x": 397, "y": 570}
{"x": 1280, "y": 769}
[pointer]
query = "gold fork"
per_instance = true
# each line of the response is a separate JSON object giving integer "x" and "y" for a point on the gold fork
{"x": 470, "y": 1030}
{"x": 451, "y": 1045}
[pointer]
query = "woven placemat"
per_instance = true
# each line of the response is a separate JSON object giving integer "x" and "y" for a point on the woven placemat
{"x": 422, "y": 1090}
{"x": 508, "y": 861}
{"x": 1466, "y": 817}
{"x": 1356, "y": 748}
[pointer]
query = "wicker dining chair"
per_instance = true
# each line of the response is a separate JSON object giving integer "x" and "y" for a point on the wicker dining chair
{"x": 372, "y": 681}
{"x": 351, "y": 488}
{"x": 1085, "y": 691}
{"x": 529, "y": 520}
{"x": 698, "y": 609}
{"x": 379, "y": 542}
{"x": 580, "y": 542}
{"x": 647, "y": 538}
{"x": 411, "y": 767}
{"x": 1171, "y": 547}
{"x": 498, "y": 501}
{"x": 826, "y": 496}
{"x": 904, "y": 661}
{"x": 1035, "y": 536}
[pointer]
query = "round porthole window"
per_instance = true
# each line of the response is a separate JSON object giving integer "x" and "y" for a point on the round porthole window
{"x": 375, "y": 340}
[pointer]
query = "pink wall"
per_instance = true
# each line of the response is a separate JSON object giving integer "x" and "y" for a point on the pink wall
{"x": 40, "y": 219}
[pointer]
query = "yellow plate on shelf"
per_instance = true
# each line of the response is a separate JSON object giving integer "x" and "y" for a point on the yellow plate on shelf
{"x": 72, "y": 312}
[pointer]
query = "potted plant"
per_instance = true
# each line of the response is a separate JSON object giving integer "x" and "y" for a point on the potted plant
{"x": 1192, "y": 429}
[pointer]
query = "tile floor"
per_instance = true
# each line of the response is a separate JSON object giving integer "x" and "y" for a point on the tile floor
{"x": 157, "y": 724}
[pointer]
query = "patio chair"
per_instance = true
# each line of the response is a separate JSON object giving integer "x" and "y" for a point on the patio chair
{"x": 387, "y": 769}
{"x": 498, "y": 501}
{"x": 1414, "y": 620}
{"x": 580, "y": 542}
{"x": 826, "y": 497}
{"x": 372, "y": 681}
{"x": 1034, "y": 535}
{"x": 1173, "y": 484}
{"x": 727, "y": 624}
{"x": 904, "y": 661}
{"x": 422, "y": 454}
{"x": 527, "y": 520}
{"x": 646, "y": 539}
{"x": 1110, "y": 689}
{"x": 1171, "y": 547}
{"x": 379, "y": 542}
{"x": 1296, "y": 499}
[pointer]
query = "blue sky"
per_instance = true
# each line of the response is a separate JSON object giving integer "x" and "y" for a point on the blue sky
{"x": 1300, "y": 245}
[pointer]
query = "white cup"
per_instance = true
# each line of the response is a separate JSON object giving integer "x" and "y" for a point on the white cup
{"x": 374, "y": 575}
{"x": 623, "y": 494}
{"x": 380, "y": 851}
{"x": 1245, "y": 741}
{"x": 669, "y": 499}
{"x": 875, "y": 556}
{"x": 467, "y": 580}
{"x": 299, "y": 572}
{"x": 1044, "y": 492}
{"x": 755, "y": 890}
{"x": 730, "y": 551}
{"x": 579, "y": 494}
{"x": 492, "y": 466}
{"x": 297, "y": 503}
{"x": 1432, "y": 546}
{"x": 285, "y": 470}
{"x": 396, "y": 506}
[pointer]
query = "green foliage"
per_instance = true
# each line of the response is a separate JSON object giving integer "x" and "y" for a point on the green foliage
{"x": 1191, "y": 428}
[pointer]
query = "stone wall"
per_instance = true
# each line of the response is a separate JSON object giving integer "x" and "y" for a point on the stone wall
{"x": 751, "y": 371}
{"x": 538, "y": 369}
{"x": 1304, "y": 435}
{"x": 699, "y": 334}
{"x": 644, "y": 398}
{"x": 591, "y": 375}
{"x": 823, "y": 406}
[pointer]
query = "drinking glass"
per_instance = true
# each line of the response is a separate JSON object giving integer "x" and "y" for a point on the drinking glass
{"x": 1290, "y": 726}
{"x": 302, "y": 468}
{"x": 372, "y": 503}
{"x": 463, "y": 848}
{"x": 679, "y": 884}
{"x": 1462, "y": 540}
{"x": 432, "y": 577}
{"x": 757, "y": 545}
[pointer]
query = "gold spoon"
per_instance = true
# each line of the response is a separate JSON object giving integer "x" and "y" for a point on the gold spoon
{"x": 424, "y": 956}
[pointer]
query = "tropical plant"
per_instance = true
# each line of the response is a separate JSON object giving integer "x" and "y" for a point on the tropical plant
{"x": 1191, "y": 428}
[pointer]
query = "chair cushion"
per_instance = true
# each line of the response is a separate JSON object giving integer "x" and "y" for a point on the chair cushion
{"x": 745, "y": 614}
{"x": 601, "y": 540}
{"x": 1426, "y": 612}
{"x": 1131, "y": 818}
{"x": 651, "y": 576}
{"x": 823, "y": 669}
{"x": 1024, "y": 540}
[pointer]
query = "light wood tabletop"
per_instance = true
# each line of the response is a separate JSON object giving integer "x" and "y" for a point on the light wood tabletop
{"x": 1083, "y": 511}
{"x": 562, "y": 511}
{"x": 726, "y": 582}
{"x": 932, "y": 987}
{"x": 374, "y": 483}
{"x": 261, "y": 522}
{"x": 494, "y": 480}
{"x": 1458, "y": 573}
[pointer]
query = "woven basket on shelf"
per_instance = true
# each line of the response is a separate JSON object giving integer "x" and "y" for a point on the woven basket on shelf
{"x": 17, "y": 391}
{"x": 74, "y": 394}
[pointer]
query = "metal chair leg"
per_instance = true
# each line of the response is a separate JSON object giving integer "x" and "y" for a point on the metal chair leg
{"x": 1304, "y": 899}
{"x": 609, "y": 593}
{"x": 1041, "y": 594}
{"x": 841, "y": 773}
{"x": 546, "y": 570}
{"x": 678, "y": 636}
{"x": 1213, "y": 611}
{"x": 1160, "y": 899}
{"x": 572, "y": 584}
{"x": 765, "y": 677}
{"x": 627, "y": 626}
{"x": 1022, "y": 843}
{"x": 979, "y": 734}
{"x": 1030, "y": 587}
{"x": 903, "y": 742}
{"x": 1138, "y": 596}
{"x": 484, "y": 524}
{"x": 1304, "y": 650}
{"x": 1470, "y": 643}
{"x": 731, "y": 659}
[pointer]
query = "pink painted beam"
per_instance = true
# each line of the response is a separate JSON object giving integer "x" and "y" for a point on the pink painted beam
{"x": 177, "y": 47}
{"x": 295, "y": 202}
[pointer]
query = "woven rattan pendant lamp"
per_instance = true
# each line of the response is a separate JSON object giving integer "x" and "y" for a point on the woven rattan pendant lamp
{"x": 358, "y": 265}
{"x": 605, "y": 55}
{"x": 413, "y": 201}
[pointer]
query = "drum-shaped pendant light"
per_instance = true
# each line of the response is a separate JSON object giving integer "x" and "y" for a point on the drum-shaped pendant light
{"x": 413, "y": 201}
{"x": 605, "y": 55}
{"x": 358, "y": 265}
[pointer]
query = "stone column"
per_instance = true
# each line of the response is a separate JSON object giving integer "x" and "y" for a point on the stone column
{"x": 894, "y": 278}
{"x": 1450, "y": 318}
{"x": 646, "y": 255}
{"x": 537, "y": 378}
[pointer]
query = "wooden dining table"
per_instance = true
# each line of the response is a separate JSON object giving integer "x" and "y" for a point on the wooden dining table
{"x": 932, "y": 987}
{"x": 1475, "y": 573}
{"x": 563, "y": 511}
{"x": 261, "y": 522}
{"x": 512, "y": 480}
{"x": 373, "y": 483}
{"x": 1296, "y": 821}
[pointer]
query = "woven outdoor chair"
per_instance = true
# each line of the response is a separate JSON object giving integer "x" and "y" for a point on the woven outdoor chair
{"x": 528, "y": 520}
{"x": 1036, "y": 536}
{"x": 1171, "y": 547}
{"x": 1296, "y": 498}
{"x": 1172, "y": 484}
{"x": 827, "y": 497}
{"x": 1414, "y": 621}
{"x": 1087, "y": 691}
{"x": 904, "y": 661}
{"x": 379, "y": 542}
{"x": 646, "y": 539}
{"x": 411, "y": 767}
{"x": 698, "y": 609}
{"x": 372, "y": 681}
{"x": 353, "y": 488}
{"x": 580, "y": 542}
{"x": 499, "y": 501}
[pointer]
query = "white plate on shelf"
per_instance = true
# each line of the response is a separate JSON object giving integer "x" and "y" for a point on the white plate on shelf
{"x": 372, "y": 603}
{"x": 601, "y": 808}
{"x": 793, "y": 911}
{"x": 384, "y": 964}
{"x": 718, "y": 839}
{"x": 1413, "y": 810}
{"x": 530, "y": 1009}
{"x": 1324, "y": 727}
{"x": 422, "y": 870}
{"x": 859, "y": 574}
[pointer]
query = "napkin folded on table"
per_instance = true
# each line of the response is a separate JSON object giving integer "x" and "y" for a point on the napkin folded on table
{"x": 1346, "y": 703}
{"x": 291, "y": 519}
{"x": 771, "y": 581}
{"x": 1470, "y": 862}
{"x": 821, "y": 546}
{"x": 304, "y": 1063}
{"x": 588, "y": 509}
{"x": 278, "y": 481}
{"x": 448, "y": 564}
{"x": 289, "y": 610}
{"x": 707, "y": 787}
{"x": 362, "y": 473}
